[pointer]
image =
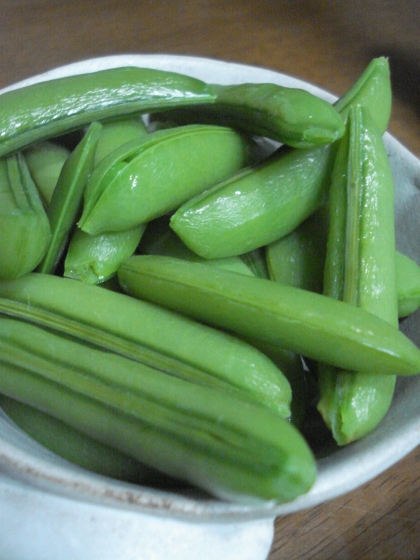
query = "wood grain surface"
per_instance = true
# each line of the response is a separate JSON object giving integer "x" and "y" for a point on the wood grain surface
{"x": 328, "y": 43}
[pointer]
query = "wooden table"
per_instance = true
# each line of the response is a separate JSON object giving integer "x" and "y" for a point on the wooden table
{"x": 325, "y": 42}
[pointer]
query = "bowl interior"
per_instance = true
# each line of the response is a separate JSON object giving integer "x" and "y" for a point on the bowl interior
{"x": 23, "y": 459}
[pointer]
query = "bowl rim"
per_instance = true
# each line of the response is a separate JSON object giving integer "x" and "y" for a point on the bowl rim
{"x": 23, "y": 459}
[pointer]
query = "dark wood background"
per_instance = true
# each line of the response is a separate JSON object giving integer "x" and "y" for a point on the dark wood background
{"x": 325, "y": 42}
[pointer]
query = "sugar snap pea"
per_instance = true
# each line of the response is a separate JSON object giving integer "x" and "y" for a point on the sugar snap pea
{"x": 148, "y": 334}
{"x": 288, "y": 115}
{"x": 51, "y": 108}
{"x": 360, "y": 269}
{"x": 67, "y": 197}
{"x": 96, "y": 258}
{"x": 298, "y": 258}
{"x": 24, "y": 227}
{"x": 265, "y": 203}
{"x": 72, "y": 444}
{"x": 214, "y": 439}
{"x": 45, "y": 161}
{"x": 146, "y": 179}
{"x": 309, "y": 324}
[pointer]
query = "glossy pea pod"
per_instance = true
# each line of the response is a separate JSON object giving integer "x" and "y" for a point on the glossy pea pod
{"x": 73, "y": 445}
{"x": 147, "y": 334}
{"x": 66, "y": 200}
{"x": 148, "y": 178}
{"x": 269, "y": 201}
{"x": 287, "y": 115}
{"x": 47, "y": 109}
{"x": 213, "y": 439}
{"x": 360, "y": 269}
{"x": 95, "y": 259}
{"x": 309, "y": 324}
{"x": 24, "y": 227}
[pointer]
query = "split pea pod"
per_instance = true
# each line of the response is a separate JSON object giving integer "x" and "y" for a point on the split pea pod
{"x": 360, "y": 269}
{"x": 47, "y": 109}
{"x": 287, "y": 115}
{"x": 24, "y": 227}
{"x": 214, "y": 439}
{"x": 146, "y": 333}
{"x": 71, "y": 444}
{"x": 95, "y": 258}
{"x": 309, "y": 324}
{"x": 146, "y": 179}
{"x": 270, "y": 200}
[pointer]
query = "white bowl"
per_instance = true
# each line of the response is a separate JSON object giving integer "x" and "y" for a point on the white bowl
{"x": 48, "y": 504}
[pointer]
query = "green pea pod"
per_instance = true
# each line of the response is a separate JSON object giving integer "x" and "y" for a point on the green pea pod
{"x": 288, "y": 115}
{"x": 45, "y": 161}
{"x": 298, "y": 259}
{"x": 309, "y": 324}
{"x": 47, "y": 109}
{"x": 72, "y": 444}
{"x": 145, "y": 333}
{"x": 408, "y": 285}
{"x": 24, "y": 227}
{"x": 360, "y": 269}
{"x": 67, "y": 198}
{"x": 96, "y": 258}
{"x": 159, "y": 239}
{"x": 117, "y": 132}
{"x": 214, "y": 439}
{"x": 146, "y": 179}
{"x": 270, "y": 200}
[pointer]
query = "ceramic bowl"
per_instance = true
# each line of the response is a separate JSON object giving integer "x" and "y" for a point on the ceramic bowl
{"x": 48, "y": 504}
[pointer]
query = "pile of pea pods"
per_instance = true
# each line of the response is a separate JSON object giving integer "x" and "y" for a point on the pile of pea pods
{"x": 194, "y": 278}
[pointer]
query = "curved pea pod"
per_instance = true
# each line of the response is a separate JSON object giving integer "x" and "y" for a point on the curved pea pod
{"x": 270, "y": 200}
{"x": 298, "y": 259}
{"x": 309, "y": 324}
{"x": 148, "y": 334}
{"x": 45, "y": 161}
{"x": 408, "y": 285}
{"x": 214, "y": 439}
{"x": 287, "y": 115}
{"x": 47, "y": 109}
{"x": 67, "y": 197}
{"x": 96, "y": 258}
{"x": 71, "y": 444}
{"x": 146, "y": 179}
{"x": 117, "y": 132}
{"x": 159, "y": 239}
{"x": 360, "y": 269}
{"x": 24, "y": 227}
